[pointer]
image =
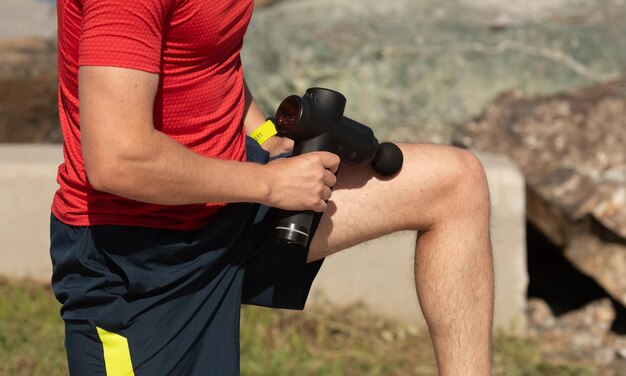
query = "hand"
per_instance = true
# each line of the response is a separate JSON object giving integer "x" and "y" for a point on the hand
{"x": 277, "y": 145}
{"x": 302, "y": 182}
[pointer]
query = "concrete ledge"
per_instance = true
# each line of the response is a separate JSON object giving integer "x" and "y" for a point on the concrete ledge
{"x": 27, "y": 185}
{"x": 378, "y": 274}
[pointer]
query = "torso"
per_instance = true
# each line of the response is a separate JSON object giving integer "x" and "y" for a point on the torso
{"x": 199, "y": 102}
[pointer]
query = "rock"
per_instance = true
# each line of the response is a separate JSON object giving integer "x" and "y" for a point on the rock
{"x": 604, "y": 356}
{"x": 513, "y": 13}
{"x": 570, "y": 148}
{"x": 585, "y": 332}
{"x": 28, "y": 91}
{"x": 621, "y": 352}
{"x": 265, "y": 3}
{"x": 413, "y": 70}
{"x": 604, "y": 261}
{"x": 540, "y": 316}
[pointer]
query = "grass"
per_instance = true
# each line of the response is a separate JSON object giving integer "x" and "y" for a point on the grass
{"x": 31, "y": 331}
{"x": 274, "y": 342}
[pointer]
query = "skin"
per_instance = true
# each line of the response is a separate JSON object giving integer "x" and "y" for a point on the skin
{"x": 441, "y": 192}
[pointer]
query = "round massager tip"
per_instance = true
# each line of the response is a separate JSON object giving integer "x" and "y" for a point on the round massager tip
{"x": 388, "y": 159}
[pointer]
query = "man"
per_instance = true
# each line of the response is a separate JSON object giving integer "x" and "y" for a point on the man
{"x": 162, "y": 226}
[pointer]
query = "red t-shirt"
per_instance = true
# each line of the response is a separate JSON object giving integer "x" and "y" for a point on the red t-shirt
{"x": 194, "y": 45}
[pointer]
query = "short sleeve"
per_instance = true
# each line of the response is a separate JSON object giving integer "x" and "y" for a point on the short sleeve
{"x": 123, "y": 33}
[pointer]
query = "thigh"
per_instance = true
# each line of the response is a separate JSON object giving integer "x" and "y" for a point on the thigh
{"x": 366, "y": 205}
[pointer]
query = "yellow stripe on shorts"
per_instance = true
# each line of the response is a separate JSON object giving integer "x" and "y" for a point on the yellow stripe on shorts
{"x": 116, "y": 354}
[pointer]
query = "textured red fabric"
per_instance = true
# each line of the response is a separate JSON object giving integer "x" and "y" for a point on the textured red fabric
{"x": 194, "y": 45}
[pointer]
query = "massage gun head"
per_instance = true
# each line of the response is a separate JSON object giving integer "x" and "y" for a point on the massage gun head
{"x": 388, "y": 159}
{"x": 316, "y": 123}
{"x": 301, "y": 118}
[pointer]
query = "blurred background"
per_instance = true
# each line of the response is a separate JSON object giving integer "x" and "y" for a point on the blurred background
{"x": 541, "y": 82}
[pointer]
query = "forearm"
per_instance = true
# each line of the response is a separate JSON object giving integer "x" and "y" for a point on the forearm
{"x": 161, "y": 171}
{"x": 156, "y": 169}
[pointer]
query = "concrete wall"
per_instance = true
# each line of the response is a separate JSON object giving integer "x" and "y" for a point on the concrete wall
{"x": 378, "y": 274}
{"x": 27, "y": 185}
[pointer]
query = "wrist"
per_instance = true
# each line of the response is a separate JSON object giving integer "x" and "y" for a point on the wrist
{"x": 263, "y": 184}
{"x": 264, "y": 131}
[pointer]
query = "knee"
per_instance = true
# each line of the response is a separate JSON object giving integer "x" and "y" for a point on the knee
{"x": 467, "y": 181}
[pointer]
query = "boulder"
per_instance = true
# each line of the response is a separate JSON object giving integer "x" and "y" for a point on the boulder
{"x": 414, "y": 70}
{"x": 570, "y": 148}
{"x": 265, "y": 3}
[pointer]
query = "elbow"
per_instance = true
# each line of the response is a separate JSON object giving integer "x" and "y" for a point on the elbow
{"x": 115, "y": 166}
{"x": 112, "y": 169}
{"x": 103, "y": 173}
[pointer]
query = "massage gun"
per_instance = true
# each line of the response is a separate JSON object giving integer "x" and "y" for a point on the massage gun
{"x": 315, "y": 122}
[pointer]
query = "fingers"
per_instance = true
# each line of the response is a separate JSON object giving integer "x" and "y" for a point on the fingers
{"x": 329, "y": 160}
{"x": 330, "y": 179}
{"x": 320, "y": 207}
{"x": 321, "y": 204}
{"x": 303, "y": 182}
{"x": 325, "y": 196}
{"x": 326, "y": 193}
{"x": 330, "y": 163}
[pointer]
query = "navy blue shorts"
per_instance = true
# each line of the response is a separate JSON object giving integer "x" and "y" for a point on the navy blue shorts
{"x": 159, "y": 302}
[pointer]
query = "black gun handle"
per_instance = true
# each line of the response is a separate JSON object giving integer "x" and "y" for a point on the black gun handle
{"x": 294, "y": 227}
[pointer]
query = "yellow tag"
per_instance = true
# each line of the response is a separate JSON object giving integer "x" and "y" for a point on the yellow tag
{"x": 264, "y": 132}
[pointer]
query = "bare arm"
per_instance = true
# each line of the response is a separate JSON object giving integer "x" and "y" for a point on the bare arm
{"x": 125, "y": 155}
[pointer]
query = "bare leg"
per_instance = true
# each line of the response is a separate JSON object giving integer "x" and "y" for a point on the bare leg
{"x": 442, "y": 193}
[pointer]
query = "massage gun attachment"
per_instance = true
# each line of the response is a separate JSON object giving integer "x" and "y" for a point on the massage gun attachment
{"x": 316, "y": 123}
